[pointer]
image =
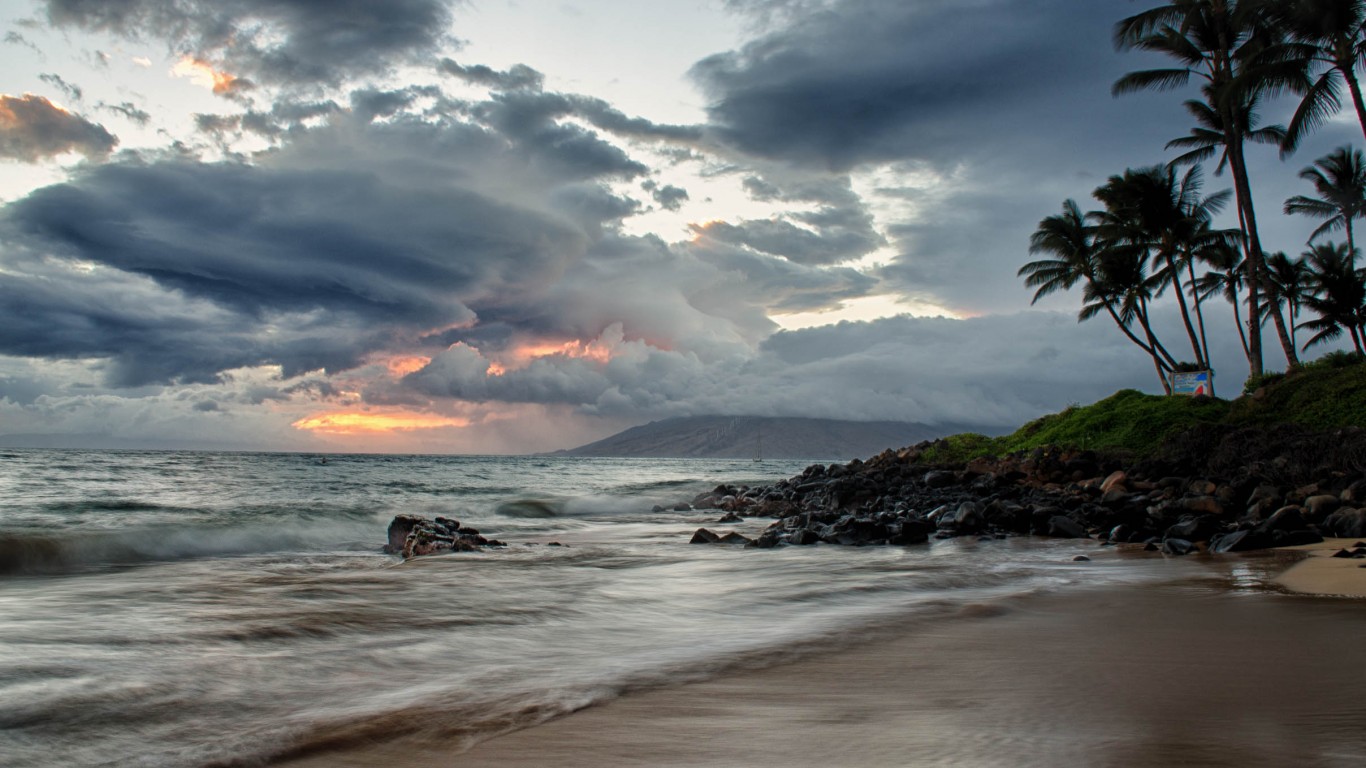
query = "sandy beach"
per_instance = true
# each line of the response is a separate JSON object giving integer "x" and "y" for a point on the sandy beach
{"x": 1319, "y": 573}
{"x": 1203, "y": 672}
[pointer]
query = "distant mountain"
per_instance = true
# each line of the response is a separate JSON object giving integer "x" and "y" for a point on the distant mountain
{"x": 742, "y": 437}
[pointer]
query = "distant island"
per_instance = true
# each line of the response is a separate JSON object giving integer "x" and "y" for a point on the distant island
{"x": 744, "y": 437}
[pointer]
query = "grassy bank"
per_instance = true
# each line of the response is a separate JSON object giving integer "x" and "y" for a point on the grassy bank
{"x": 1325, "y": 394}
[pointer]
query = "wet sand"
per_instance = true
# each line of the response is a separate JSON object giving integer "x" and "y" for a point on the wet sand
{"x": 1319, "y": 573}
{"x": 1183, "y": 674}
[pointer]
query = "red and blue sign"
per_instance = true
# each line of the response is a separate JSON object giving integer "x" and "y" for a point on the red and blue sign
{"x": 1192, "y": 383}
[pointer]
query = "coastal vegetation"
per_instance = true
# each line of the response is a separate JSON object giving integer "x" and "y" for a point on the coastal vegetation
{"x": 1327, "y": 393}
{"x": 1155, "y": 230}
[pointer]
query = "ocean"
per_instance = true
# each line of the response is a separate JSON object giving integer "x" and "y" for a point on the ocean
{"x": 205, "y": 609}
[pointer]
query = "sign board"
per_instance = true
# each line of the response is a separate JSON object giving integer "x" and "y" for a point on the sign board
{"x": 1192, "y": 383}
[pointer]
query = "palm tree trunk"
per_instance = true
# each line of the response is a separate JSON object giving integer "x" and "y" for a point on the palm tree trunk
{"x": 1157, "y": 361}
{"x": 1199, "y": 316}
{"x": 1256, "y": 263}
{"x": 1129, "y": 332}
{"x": 1162, "y": 376}
{"x": 1142, "y": 315}
{"x": 1237, "y": 318}
{"x": 1185, "y": 312}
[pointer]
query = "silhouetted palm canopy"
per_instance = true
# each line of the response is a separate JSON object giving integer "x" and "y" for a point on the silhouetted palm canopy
{"x": 1080, "y": 257}
{"x": 1329, "y": 41}
{"x": 1340, "y": 179}
{"x": 1070, "y": 238}
{"x": 1226, "y": 276}
{"x": 1289, "y": 284}
{"x": 1159, "y": 215}
{"x": 1208, "y": 135}
{"x": 1338, "y": 295}
{"x": 1235, "y": 49}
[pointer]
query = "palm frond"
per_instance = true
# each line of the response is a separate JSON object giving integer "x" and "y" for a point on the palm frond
{"x": 1151, "y": 79}
{"x": 1319, "y": 103}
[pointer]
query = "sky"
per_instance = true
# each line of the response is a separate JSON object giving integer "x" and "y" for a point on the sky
{"x": 464, "y": 226}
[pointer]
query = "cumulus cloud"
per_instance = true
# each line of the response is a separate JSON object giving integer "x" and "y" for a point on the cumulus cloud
{"x": 276, "y": 41}
{"x": 669, "y": 197}
{"x": 396, "y": 248}
{"x": 356, "y": 236}
{"x": 840, "y": 229}
{"x": 994, "y": 371}
{"x": 519, "y": 77}
{"x": 880, "y": 80}
{"x": 33, "y": 129}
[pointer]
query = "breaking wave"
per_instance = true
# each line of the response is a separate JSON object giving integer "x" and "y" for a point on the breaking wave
{"x": 73, "y": 551}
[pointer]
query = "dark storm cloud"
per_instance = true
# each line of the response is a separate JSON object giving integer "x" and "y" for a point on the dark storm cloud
{"x": 254, "y": 238}
{"x": 519, "y": 77}
{"x": 276, "y": 41}
{"x": 599, "y": 113}
{"x": 354, "y": 237}
{"x": 608, "y": 118}
{"x": 147, "y": 335}
{"x": 994, "y": 111}
{"x": 369, "y": 103}
{"x": 783, "y": 285}
{"x": 669, "y": 197}
{"x": 826, "y": 245}
{"x": 33, "y": 128}
{"x": 991, "y": 371}
{"x": 532, "y": 122}
{"x": 287, "y": 115}
{"x": 841, "y": 229}
{"x": 881, "y": 80}
{"x": 307, "y": 265}
{"x": 965, "y": 252}
{"x": 461, "y": 372}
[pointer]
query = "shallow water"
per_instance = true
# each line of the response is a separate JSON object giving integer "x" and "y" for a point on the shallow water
{"x": 189, "y": 609}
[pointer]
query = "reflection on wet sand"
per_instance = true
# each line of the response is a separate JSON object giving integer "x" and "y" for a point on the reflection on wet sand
{"x": 1182, "y": 674}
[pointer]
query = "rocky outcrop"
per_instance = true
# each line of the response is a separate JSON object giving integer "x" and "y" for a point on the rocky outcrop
{"x": 413, "y": 536}
{"x": 895, "y": 499}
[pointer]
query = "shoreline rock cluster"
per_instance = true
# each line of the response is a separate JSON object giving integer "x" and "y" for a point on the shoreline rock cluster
{"x": 895, "y": 499}
{"x": 414, "y": 536}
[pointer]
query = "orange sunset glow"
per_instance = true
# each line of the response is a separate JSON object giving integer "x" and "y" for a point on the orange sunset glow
{"x": 360, "y": 422}
{"x": 402, "y": 366}
{"x": 595, "y": 350}
{"x": 201, "y": 73}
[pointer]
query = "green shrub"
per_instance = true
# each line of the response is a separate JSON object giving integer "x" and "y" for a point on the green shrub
{"x": 1333, "y": 360}
{"x": 956, "y": 449}
{"x": 1256, "y": 382}
{"x": 1325, "y": 394}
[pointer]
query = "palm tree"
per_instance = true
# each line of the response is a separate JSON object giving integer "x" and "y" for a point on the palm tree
{"x": 1329, "y": 36}
{"x": 1071, "y": 238}
{"x": 1339, "y": 295}
{"x": 1229, "y": 45}
{"x": 1226, "y": 277}
{"x": 1164, "y": 218}
{"x": 1122, "y": 283}
{"x": 1340, "y": 178}
{"x": 1289, "y": 285}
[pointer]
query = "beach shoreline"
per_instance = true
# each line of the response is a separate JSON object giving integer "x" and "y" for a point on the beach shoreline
{"x": 1194, "y": 671}
{"x": 1320, "y": 573}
